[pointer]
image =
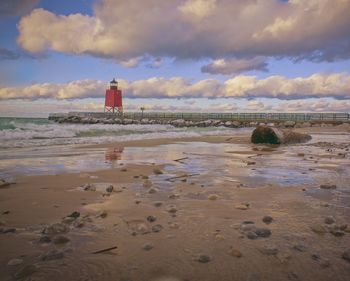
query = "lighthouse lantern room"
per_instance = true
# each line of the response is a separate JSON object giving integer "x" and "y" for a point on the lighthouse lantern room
{"x": 114, "y": 99}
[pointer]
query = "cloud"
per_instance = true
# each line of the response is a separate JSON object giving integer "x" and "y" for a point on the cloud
{"x": 234, "y": 66}
{"x": 16, "y": 7}
{"x": 314, "y": 29}
{"x": 336, "y": 86}
{"x": 6, "y": 54}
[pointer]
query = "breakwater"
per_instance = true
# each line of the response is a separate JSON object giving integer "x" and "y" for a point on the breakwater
{"x": 204, "y": 119}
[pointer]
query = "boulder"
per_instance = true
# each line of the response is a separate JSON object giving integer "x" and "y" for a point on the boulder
{"x": 272, "y": 135}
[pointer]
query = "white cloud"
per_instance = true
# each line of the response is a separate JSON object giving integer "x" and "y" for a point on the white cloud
{"x": 234, "y": 66}
{"x": 250, "y": 87}
{"x": 312, "y": 29}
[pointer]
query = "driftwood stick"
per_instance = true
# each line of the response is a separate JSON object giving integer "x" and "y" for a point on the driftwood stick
{"x": 180, "y": 159}
{"x": 105, "y": 250}
{"x": 183, "y": 176}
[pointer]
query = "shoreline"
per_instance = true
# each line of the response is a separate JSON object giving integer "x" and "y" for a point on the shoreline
{"x": 200, "y": 213}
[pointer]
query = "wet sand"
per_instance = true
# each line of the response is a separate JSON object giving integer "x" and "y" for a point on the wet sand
{"x": 197, "y": 218}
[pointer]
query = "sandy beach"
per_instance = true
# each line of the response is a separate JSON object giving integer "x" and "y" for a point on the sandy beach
{"x": 199, "y": 208}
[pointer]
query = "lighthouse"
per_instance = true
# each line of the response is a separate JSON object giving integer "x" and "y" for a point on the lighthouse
{"x": 113, "y": 99}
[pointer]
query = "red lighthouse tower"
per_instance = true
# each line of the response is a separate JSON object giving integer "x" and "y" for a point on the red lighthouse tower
{"x": 114, "y": 99}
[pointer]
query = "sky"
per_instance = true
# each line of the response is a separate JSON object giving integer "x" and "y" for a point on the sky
{"x": 175, "y": 55}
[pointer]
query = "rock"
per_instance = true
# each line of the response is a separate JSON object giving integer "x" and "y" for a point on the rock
{"x": 158, "y": 204}
{"x": 319, "y": 229}
{"x": 213, "y": 197}
{"x": 235, "y": 253}
{"x": 68, "y": 220}
{"x": 171, "y": 209}
{"x": 251, "y": 235}
{"x": 60, "y": 239}
{"x": 337, "y": 232}
{"x": 148, "y": 246}
{"x": 269, "y": 250}
{"x": 329, "y": 220}
{"x": 289, "y": 124}
{"x": 103, "y": 214}
{"x": 44, "y": 239}
{"x": 56, "y": 228}
{"x": 157, "y": 228}
{"x": 151, "y": 218}
{"x": 157, "y": 171}
{"x": 52, "y": 255}
{"x": 6, "y": 212}
{"x": 346, "y": 255}
{"x": 3, "y": 183}
{"x": 267, "y": 219}
{"x": 153, "y": 190}
{"x": 203, "y": 258}
{"x": 25, "y": 271}
{"x": 147, "y": 184}
{"x": 300, "y": 247}
{"x": 8, "y": 230}
{"x": 88, "y": 187}
{"x": 74, "y": 215}
{"x": 110, "y": 188}
{"x": 174, "y": 196}
{"x": 14, "y": 262}
{"x": 271, "y": 135}
{"x": 124, "y": 170}
{"x": 137, "y": 201}
{"x": 328, "y": 186}
{"x": 242, "y": 206}
{"x": 263, "y": 232}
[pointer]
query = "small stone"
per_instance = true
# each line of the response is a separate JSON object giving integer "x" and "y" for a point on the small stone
{"x": 148, "y": 246}
{"x": 158, "y": 204}
{"x": 145, "y": 177}
{"x": 242, "y": 207}
{"x": 203, "y": 258}
{"x": 88, "y": 187}
{"x": 68, "y": 220}
{"x": 56, "y": 228}
{"x": 60, "y": 239}
{"x": 25, "y": 271}
{"x": 213, "y": 197}
{"x": 171, "y": 209}
{"x": 151, "y": 218}
{"x": 329, "y": 220}
{"x": 157, "y": 228}
{"x": 124, "y": 170}
{"x": 6, "y": 212}
{"x": 346, "y": 255}
{"x": 300, "y": 247}
{"x": 44, "y": 239}
{"x": 269, "y": 250}
{"x": 14, "y": 262}
{"x": 251, "y": 235}
{"x": 267, "y": 219}
{"x": 8, "y": 230}
{"x": 157, "y": 171}
{"x": 137, "y": 202}
{"x": 52, "y": 255}
{"x": 103, "y": 214}
{"x": 235, "y": 253}
{"x": 75, "y": 215}
{"x": 328, "y": 186}
{"x": 153, "y": 190}
{"x": 319, "y": 229}
{"x": 337, "y": 232}
{"x": 263, "y": 232}
{"x": 110, "y": 188}
{"x": 174, "y": 196}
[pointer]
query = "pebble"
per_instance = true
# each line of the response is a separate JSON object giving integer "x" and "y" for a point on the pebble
{"x": 52, "y": 255}
{"x": 137, "y": 202}
{"x": 171, "y": 209}
{"x": 110, "y": 188}
{"x": 25, "y": 271}
{"x": 328, "y": 186}
{"x": 319, "y": 229}
{"x": 148, "y": 246}
{"x": 269, "y": 250}
{"x": 329, "y": 220}
{"x": 242, "y": 207}
{"x": 68, "y": 220}
{"x": 203, "y": 258}
{"x": 251, "y": 235}
{"x": 346, "y": 255}
{"x": 151, "y": 218}
{"x": 158, "y": 204}
{"x": 157, "y": 171}
{"x": 174, "y": 196}
{"x": 60, "y": 239}
{"x": 235, "y": 253}
{"x": 124, "y": 170}
{"x": 14, "y": 262}
{"x": 56, "y": 228}
{"x": 300, "y": 247}
{"x": 44, "y": 239}
{"x": 75, "y": 215}
{"x": 157, "y": 228}
{"x": 267, "y": 219}
{"x": 89, "y": 187}
{"x": 147, "y": 183}
{"x": 213, "y": 197}
{"x": 337, "y": 232}
{"x": 153, "y": 190}
{"x": 6, "y": 212}
{"x": 7, "y": 230}
{"x": 103, "y": 214}
{"x": 263, "y": 232}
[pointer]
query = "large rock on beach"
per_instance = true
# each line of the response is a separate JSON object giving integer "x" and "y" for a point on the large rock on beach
{"x": 272, "y": 135}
